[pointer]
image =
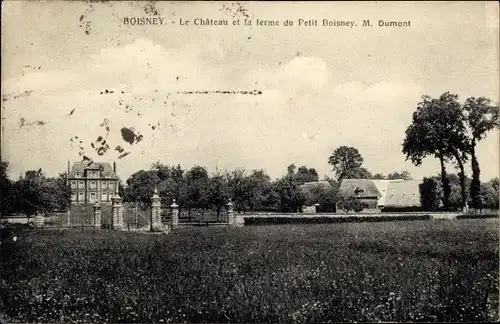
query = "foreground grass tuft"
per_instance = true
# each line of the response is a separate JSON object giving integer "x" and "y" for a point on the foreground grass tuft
{"x": 402, "y": 271}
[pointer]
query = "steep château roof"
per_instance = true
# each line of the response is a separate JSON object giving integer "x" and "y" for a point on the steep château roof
{"x": 80, "y": 167}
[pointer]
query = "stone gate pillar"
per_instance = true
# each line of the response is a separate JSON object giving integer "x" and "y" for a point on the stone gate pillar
{"x": 230, "y": 215}
{"x": 155, "y": 223}
{"x": 116, "y": 211}
{"x": 97, "y": 215}
{"x": 175, "y": 215}
{"x": 39, "y": 220}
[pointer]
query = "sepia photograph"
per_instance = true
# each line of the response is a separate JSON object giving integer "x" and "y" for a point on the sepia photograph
{"x": 249, "y": 162}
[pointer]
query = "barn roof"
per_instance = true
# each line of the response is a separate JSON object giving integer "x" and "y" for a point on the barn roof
{"x": 366, "y": 187}
{"x": 80, "y": 167}
{"x": 402, "y": 194}
{"x": 382, "y": 186}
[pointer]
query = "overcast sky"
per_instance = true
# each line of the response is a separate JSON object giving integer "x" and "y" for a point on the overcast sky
{"x": 321, "y": 87}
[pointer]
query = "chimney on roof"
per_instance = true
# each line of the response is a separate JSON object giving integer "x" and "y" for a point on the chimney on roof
{"x": 114, "y": 167}
{"x": 68, "y": 166}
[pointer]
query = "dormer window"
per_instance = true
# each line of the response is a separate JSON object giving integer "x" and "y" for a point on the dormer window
{"x": 106, "y": 175}
{"x": 358, "y": 192}
{"x": 92, "y": 173}
{"x": 77, "y": 175}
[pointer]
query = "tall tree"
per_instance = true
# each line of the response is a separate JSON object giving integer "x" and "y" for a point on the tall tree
{"x": 305, "y": 174}
{"x": 438, "y": 129}
{"x": 454, "y": 136}
{"x": 417, "y": 145}
{"x": 481, "y": 116}
{"x": 290, "y": 196}
{"x": 5, "y": 188}
{"x": 140, "y": 187}
{"x": 262, "y": 193}
{"x": 35, "y": 193}
{"x": 57, "y": 193}
{"x": 359, "y": 173}
{"x": 197, "y": 182}
{"x": 172, "y": 184}
{"x": 239, "y": 189}
{"x": 29, "y": 192}
{"x": 345, "y": 161}
{"x": 218, "y": 193}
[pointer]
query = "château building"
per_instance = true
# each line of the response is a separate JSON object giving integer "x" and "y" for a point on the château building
{"x": 92, "y": 182}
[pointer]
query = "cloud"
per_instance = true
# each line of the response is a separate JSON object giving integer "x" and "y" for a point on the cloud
{"x": 305, "y": 73}
{"x": 302, "y": 115}
{"x": 378, "y": 92}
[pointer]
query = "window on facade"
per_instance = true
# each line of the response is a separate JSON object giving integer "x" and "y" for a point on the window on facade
{"x": 80, "y": 196}
{"x": 92, "y": 196}
{"x": 111, "y": 185}
{"x": 92, "y": 185}
{"x": 104, "y": 196}
{"x": 81, "y": 185}
{"x": 73, "y": 184}
{"x": 73, "y": 197}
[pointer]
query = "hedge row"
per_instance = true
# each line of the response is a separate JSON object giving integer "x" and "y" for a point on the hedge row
{"x": 325, "y": 220}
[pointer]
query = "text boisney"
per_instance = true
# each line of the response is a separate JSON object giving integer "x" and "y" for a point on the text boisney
{"x": 259, "y": 22}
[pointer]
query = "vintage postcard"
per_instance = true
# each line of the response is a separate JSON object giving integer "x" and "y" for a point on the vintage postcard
{"x": 295, "y": 162}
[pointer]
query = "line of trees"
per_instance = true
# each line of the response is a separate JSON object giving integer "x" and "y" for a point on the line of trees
{"x": 196, "y": 189}
{"x": 449, "y": 131}
{"x": 431, "y": 193}
{"x": 33, "y": 192}
{"x": 441, "y": 127}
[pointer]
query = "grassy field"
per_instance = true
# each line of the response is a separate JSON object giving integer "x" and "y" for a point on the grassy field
{"x": 393, "y": 271}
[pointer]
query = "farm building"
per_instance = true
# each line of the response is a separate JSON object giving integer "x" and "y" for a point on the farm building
{"x": 403, "y": 195}
{"x": 384, "y": 195}
{"x": 364, "y": 190}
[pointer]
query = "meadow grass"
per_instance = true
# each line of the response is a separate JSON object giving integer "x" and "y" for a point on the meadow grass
{"x": 393, "y": 271}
